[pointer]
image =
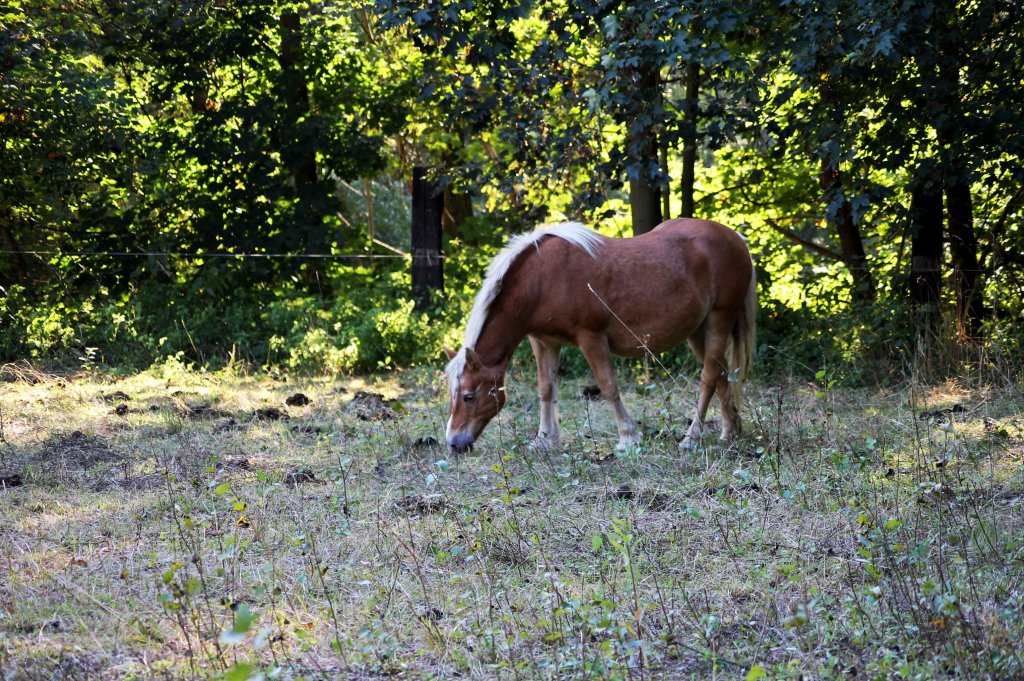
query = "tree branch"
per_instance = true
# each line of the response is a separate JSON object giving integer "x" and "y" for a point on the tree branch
{"x": 806, "y": 243}
{"x": 1011, "y": 205}
{"x": 711, "y": 195}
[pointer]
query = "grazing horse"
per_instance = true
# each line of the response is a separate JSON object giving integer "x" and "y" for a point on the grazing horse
{"x": 564, "y": 284}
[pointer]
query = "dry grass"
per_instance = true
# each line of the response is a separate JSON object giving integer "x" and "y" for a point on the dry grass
{"x": 846, "y": 535}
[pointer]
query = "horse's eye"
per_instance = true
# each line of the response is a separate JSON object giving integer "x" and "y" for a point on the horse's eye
{"x": 468, "y": 398}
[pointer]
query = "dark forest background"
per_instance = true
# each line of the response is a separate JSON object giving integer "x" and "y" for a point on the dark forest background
{"x": 228, "y": 181}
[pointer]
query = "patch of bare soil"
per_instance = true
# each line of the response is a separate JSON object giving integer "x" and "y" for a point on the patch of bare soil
{"x": 67, "y": 665}
{"x": 270, "y": 414}
{"x": 417, "y": 504}
{"x": 300, "y": 475}
{"x": 132, "y": 483}
{"x": 649, "y": 498}
{"x": 203, "y": 411}
{"x": 371, "y": 407}
{"x": 75, "y": 459}
{"x": 8, "y": 481}
{"x": 77, "y": 450}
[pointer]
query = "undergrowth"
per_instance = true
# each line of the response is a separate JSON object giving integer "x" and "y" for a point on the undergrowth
{"x": 175, "y": 524}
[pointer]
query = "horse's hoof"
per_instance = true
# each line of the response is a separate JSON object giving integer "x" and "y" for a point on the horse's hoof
{"x": 689, "y": 444}
{"x": 543, "y": 444}
{"x": 629, "y": 444}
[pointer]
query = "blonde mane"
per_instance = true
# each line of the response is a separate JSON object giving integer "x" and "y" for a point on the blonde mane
{"x": 573, "y": 232}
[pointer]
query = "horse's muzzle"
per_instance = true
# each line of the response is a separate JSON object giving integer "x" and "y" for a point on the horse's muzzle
{"x": 460, "y": 442}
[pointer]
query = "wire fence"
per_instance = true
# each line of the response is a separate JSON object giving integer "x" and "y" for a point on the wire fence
{"x": 198, "y": 256}
{"x": 286, "y": 256}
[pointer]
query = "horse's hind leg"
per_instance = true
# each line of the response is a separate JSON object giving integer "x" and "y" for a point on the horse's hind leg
{"x": 714, "y": 377}
{"x": 599, "y": 357}
{"x": 547, "y": 356}
{"x": 731, "y": 424}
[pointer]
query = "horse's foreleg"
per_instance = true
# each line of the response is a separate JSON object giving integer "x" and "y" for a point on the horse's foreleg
{"x": 599, "y": 357}
{"x": 547, "y": 355}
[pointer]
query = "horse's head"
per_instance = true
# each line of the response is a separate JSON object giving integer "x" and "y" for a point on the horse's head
{"x": 476, "y": 393}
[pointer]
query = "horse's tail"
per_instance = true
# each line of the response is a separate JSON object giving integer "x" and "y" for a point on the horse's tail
{"x": 744, "y": 339}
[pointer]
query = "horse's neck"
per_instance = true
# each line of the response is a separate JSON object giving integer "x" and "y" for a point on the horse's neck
{"x": 506, "y": 326}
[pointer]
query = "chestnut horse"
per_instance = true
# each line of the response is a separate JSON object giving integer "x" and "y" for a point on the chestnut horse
{"x": 564, "y": 284}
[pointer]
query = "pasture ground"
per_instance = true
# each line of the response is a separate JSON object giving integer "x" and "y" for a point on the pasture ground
{"x": 174, "y": 525}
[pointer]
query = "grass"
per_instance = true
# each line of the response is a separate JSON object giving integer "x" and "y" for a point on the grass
{"x": 183, "y": 533}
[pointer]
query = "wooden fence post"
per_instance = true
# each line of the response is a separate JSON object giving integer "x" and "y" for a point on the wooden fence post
{"x": 427, "y": 208}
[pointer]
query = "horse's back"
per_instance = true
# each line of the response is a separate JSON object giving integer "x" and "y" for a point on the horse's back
{"x": 704, "y": 233}
{"x": 659, "y": 286}
{"x": 689, "y": 252}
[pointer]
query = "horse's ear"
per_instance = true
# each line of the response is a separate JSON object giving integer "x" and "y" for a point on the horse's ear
{"x": 449, "y": 352}
{"x": 471, "y": 360}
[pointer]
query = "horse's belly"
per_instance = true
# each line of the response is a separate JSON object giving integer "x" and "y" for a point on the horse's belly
{"x": 634, "y": 340}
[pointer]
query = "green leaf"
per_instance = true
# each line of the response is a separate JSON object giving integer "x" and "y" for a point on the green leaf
{"x": 243, "y": 622}
{"x": 756, "y": 672}
{"x": 242, "y": 671}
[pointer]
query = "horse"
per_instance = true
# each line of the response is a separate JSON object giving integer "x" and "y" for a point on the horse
{"x": 565, "y": 284}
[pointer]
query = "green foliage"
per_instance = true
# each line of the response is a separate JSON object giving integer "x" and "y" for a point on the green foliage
{"x": 170, "y": 138}
{"x": 365, "y": 329}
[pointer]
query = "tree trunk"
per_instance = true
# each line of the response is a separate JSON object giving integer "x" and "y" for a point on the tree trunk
{"x": 299, "y": 151}
{"x": 963, "y": 245}
{"x": 849, "y": 233}
{"x": 200, "y": 97}
{"x": 642, "y": 155}
{"x": 644, "y": 205}
{"x": 831, "y": 181}
{"x": 926, "y": 248}
{"x": 666, "y": 196}
{"x": 20, "y": 264}
{"x": 427, "y": 210}
{"x": 458, "y": 208}
{"x": 690, "y": 141}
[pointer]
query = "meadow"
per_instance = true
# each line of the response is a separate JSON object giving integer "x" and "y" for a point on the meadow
{"x": 180, "y": 524}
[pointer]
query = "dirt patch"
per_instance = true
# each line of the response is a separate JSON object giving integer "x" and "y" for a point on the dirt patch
{"x": 425, "y": 443}
{"x": 234, "y": 463}
{"x": 270, "y": 414}
{"x": 62, "y": 664}
{"x": 78, "y": 450}
{"x": 133, "y": 483}
{"x": 13, "y": 480}
{"x": 417, "y": 504}
{"x": 942, "y": 414}
{"x": 371, "y": 407}
{"x": 203, "y": 411}
{"x": 649, "y": 498}
{"x": 302, "y": 475}
{"x": 227, "y": 426}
